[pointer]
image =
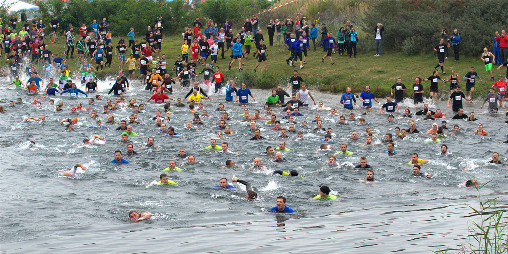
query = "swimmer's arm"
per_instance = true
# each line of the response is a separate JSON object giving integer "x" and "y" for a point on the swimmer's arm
{"x": 80, "y": 166}
{"x": 247, "y": 184}
{"x": 144, "y": 216}
{"x": 424, "y": 162}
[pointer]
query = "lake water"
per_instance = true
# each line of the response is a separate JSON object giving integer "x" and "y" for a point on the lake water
{"x": 42, "y": 211}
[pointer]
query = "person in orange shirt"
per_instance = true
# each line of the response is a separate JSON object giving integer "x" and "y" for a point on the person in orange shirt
{"x": 155, "y": 79}
{"x": 434, "y": 129}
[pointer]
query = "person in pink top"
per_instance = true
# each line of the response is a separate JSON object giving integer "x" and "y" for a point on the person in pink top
{"x": 503, "y": 44}
{"x": 501, "y": 86}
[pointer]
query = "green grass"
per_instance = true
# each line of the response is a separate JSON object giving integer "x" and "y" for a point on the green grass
{"x": 378, "y": 72}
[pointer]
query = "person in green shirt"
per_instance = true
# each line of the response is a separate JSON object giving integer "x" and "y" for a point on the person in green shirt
{"x": 13, "y": 35}
{"x": 343, "y": 150}
{"x": 273, "y": 100}
{"x": 22, "y": 33}
{"x": 324, "y": 194}
{"x": 89, "y": 75}
{"x": 52, "y": 84}
{"x": 17, "y": 82}
{"x": 213, "y": 145}
{"x": 172, "y": 167}
{"x": 129, "y": 132}
{"x": 282, "y": 147}
{"x": 248, "y": 41}
{"x": 164, "y": 180}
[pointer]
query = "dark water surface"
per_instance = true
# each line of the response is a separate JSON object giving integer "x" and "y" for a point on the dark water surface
{"x": 42, "y": 211}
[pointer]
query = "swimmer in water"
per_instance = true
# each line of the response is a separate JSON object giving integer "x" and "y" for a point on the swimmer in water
{"x": 165, "y": 181}
{"x": 363, "y": 164}
{"x": 93, "y": 140}
{"x": 40, "y": 119}
{"x": 72, "y": 172}
{"x": 172, "y": 167}
{"x": 135, "y": 216}
{"x": 223, "y": 184}
{"x": 281, "y": 206}
{"x": 343, "y": 150}
{"x": 257, "y": 165}
{"x": 118, "y": 158}
{"x": 229, "y": 164}
{"x": 284, "y": 173}
{"x": 416, "y": 161}
{"x": 370, "y": 177}
{"x": 251, "y": 194}
{"x": 469, "y": 183}
{"x": 278, "y": 157}
{"x": 417, "y": 172}
{"x": 324, "y": 194}
{"x": 332, "y": 161}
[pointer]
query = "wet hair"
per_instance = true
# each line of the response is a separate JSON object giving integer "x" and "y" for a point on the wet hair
{"x": 470, "y": 183}
{"x": 163, "y": 175}
{"x": 293, "y": 173}
{"x": 85, "y": 140}
{"x": 325, "y": 189}
{"x": 283, "y": 198}
{"x": 252, "y": 194}
{"x": 131, "y": 212}
{"x": 118, "y": 151}
{"x": 228, "y": 162}
{"x": 416, "y": 166}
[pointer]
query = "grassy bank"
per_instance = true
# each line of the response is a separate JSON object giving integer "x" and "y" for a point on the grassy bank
{"x": 378, "y": 72}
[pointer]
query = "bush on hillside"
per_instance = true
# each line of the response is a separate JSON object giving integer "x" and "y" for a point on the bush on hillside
{"x": 121, "y": 14}
{"x": 415, "y": 26}
{"x": 233, "y": 10}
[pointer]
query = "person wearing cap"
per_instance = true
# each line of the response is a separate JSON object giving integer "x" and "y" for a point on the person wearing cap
{"x": 488, "y": 58}
{"x": 324, "y": 194}
{"x": 434, "y": 129}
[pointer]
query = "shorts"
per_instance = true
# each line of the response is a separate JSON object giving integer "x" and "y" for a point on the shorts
{"x": 453, "y": 86}
{"x": 329, "y": 52}
{"x": 53, "y": 29}
{"x": 81, "y": 52}
{"x": 158, "y": 45}
{"x": 433, "y": 88}
{"x": 261, "y": 58}
{"x": 142, "y": 71}
{"x": 440, "y": 58}
{"x": 236, "y": 57}
{"x": 418, "y": 98}
{"x": 149, "y": 58}
{"x": 203, "y": 54}
{"x": 7, "y": 50}
{"x": 488, "y": 67}
{"x": 305, "y": 52}
{"x": 469, "y": 86}
{"x": 121, "y": 57}
{"x": 214, "y": 58}
{"x": 247, "y": 49}
{"x": 493, "y": 110}
{"x": 185, "y": 56}
{"x": 298, "y": 55}
{"x": 98, "y": 60}
{"x": 502, "y": 96}
{"x": 131, "y": 71}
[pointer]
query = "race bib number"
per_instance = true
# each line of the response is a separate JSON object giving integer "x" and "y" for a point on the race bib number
{"x": 185, "y": 72}
{"x": 434, "y": 80}
{"x": 110, "y": 53}
{"x": 454, "y": 81}
{"x": 143, "y": 62}
{"x": 207, "y": 72}
{"x": 244, "y": 98}
{"x": 492, "y": 99}
{"x": 366, "y": 101}
{"x": 131, "y": 63}
{"x": 295, "y": 105}
{"x": 487, "y": 59}
{"x": 458, "y": 98}
{"x": 99, "y": 55}
{"x": 472, "y": 80}
{"x": 54, "y": 26}
{"x": 501, "y": 89}
{"x": 262, "y": 51}
{"x": 189, "y": 37}
{"x": 390, "y": 107}
{"x": 217, "y": 76}
{"x": 347, "y": 102}
{"x": 415, "y": 88}
{"x": 203, "y": 48}
{"x": 92, "y": 46}
{"x": 295, "y": 82}
{"x": 74, "y": 94}
{"x": 441, "y": 50}
{"x": 159, "y": 40}
{"x": 398, "y": 87}
{"x": 46, "y": 55}
{"x": 301, "y": 45}
{"x": 304, "y": 41}
{"x": 330, "y": 41}
{"x": 14, "y": 68}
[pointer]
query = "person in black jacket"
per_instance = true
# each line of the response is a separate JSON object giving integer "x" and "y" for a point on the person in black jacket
{"x": 117, "y": 87}
{"x": 271, "y": 31}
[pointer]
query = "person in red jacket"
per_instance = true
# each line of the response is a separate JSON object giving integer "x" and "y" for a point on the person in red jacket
{"x": 503, "y": 44}
{"x": 218, "y": 77}
{"x": 159, "y": 97}
{"x": 501, "y": 86}
{"x": 148, "y": 51}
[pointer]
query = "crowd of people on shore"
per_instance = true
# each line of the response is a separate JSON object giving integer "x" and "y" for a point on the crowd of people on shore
{"x": 201, "y": 45}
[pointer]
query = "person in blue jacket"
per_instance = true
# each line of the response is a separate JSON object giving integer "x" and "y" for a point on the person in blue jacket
{"x": 455, "y": 40}
{"x": 73, "y": 91}
{"x": 99, "y": 58}
{"x": 347, "y": 99}
{"x": 329, "y": 43}
{"x": 290, "y": 44}
{"x": 281, "y": 206}
{"x": 366, "y": 97}
{"x": 497, "y": 51}
{"x": 298, "y": 48}
{"x": 237, "y": 54}
{"x": 118, "y": 158}
{"x": 223, "y": 184}
{"x": 313, "y": 35}
{"x": 352, "y": 46}
{"x": 243, "y": 94}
